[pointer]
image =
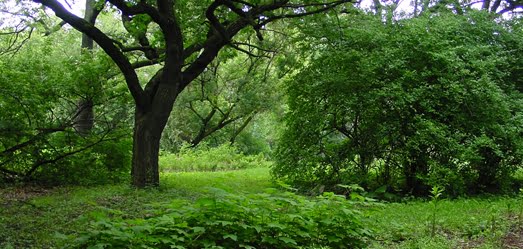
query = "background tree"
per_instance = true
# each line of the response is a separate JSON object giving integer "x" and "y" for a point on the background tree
{"x": 38, "y": 141}
{"x": 223, "y": 101}
{"x": 84, "y": 116}
{"x": 394, "y": 10}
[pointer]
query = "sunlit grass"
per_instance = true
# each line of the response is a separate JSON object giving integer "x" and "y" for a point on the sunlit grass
{"x": 249, "y": 181}
{"x": 32, "y": 222}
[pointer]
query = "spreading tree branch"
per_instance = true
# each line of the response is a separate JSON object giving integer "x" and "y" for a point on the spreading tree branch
{"x": 106, "y": 44}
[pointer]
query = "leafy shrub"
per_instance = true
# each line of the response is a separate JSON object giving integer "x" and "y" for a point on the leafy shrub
{"x": 40, "y": 87}
{"x": 266, "y": 220}
{"x": 420, "y": 108}
{"x": 104, "y": 163}
{"x": 223, "y": 157}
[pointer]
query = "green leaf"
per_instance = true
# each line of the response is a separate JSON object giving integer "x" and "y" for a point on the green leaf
{"x": 205, "y": 202}
{"x": 287, "y": 240}
{"x": 198, "y": 229}
{"x": 231, "y": 236}
{"x": 276, "y": 225}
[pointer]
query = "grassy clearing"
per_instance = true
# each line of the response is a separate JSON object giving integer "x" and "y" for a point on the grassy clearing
{"x": 31, "y": 217}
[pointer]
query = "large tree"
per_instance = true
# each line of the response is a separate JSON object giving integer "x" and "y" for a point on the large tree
{"x": 185, "y": 36}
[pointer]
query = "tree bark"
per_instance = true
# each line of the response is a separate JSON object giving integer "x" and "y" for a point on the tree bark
{"x": 84, "y": 117}
{"x": 146, "y": 147}
{"x": 149, "y": 123}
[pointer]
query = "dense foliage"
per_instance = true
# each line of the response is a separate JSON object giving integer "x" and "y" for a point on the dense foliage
{"x": 205, "y": 158}
{"x": 223, "y": 104}
{"x": 427, "y": 101}
{"x": 266, "y": 220}
{"x": 38, "y": 100}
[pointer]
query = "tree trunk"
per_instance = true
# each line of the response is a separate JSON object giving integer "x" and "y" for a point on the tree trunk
{"x": 146, "y": 147}
{"x": 149, "y": 123}
{"x": 84, "y": 117}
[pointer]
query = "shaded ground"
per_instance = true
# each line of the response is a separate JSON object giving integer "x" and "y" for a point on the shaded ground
{"x": 22, "y": 194}
{"x": 514, "y": 238}
{"x": 35, "y": 217}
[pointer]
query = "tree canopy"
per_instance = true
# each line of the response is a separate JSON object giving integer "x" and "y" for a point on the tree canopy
{"x": 384, "y": 96}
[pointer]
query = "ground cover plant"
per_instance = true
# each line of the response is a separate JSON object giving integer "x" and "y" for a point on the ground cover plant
{"x": 488, "y": 222}
{"x": 30, "y": 216}
{"x": 40, "y": 218}
{"x": 272, "y": 219}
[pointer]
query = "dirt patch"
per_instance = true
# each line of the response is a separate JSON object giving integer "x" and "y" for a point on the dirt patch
{"x": 22, "y": 194}
{"x": 514, "y": 238}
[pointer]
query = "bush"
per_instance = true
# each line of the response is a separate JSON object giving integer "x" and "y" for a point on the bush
{"x": 266, "y": 220}
{"x": 104, "y": 163}
{"x": 40, "y": 87}
{"x": 223, "y": 157}
{"x": 420, "y": 108}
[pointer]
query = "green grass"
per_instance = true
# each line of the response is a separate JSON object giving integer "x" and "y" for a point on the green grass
{"x": 224, "y": 157}
{"x": 30, "y": 218}
{"x": 253, "y": 180}
{"x": 481, "y": 222}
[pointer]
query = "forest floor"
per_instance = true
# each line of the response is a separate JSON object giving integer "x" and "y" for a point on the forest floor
{"x": 33, "y": 217}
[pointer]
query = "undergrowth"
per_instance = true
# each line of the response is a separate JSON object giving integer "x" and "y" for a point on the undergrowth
{"x": 458, "y": 223}
{"x": 272, "y": 219}
{"x": 34, "y": 218}
{"x": 30, "y": 217}
{"x": 223, "y": 157}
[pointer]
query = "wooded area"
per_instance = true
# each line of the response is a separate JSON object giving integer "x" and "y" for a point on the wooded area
{"x": 347, "y": 103}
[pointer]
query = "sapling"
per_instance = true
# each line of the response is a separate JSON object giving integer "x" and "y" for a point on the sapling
{"x": 435, "y": 196}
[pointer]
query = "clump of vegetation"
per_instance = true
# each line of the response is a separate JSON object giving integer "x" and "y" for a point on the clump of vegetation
{"x": 460, "y": 223}
{"x": 224, "y": 220}
{"x": 435, "y": 196}
{"x": 421, "y": 108}
{"x": 39, "y": 140}
{"x": 223, "y": 157}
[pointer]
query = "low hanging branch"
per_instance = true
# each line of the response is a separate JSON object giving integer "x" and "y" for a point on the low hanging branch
{"x": 42, "y": 134}
{"x": 55, "y": 159}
